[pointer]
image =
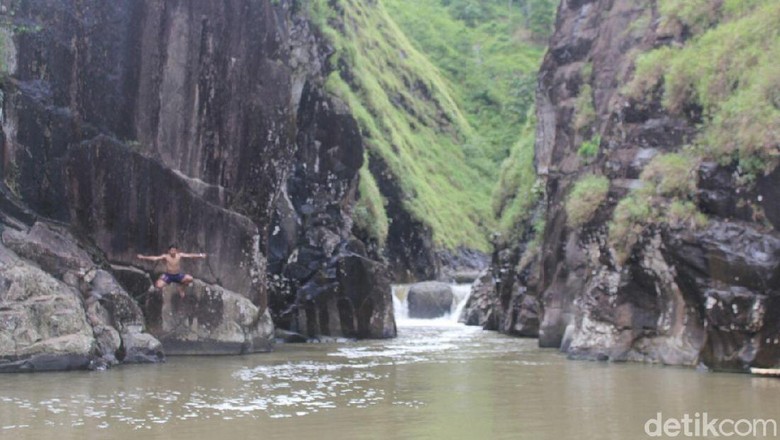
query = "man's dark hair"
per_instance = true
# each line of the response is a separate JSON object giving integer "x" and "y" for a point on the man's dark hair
{"x": 172, "y": 246}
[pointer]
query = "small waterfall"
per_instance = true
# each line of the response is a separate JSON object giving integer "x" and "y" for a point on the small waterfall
{"x": 461, "y": 293}
{"x": 400, "y": 306}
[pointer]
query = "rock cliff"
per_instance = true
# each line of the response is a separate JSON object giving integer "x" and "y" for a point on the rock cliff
{"x": 653, "y": 249}
{"x": 135, "y": 124}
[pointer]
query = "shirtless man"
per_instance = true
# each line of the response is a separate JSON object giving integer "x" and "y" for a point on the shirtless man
{"x": 173, "y": 273}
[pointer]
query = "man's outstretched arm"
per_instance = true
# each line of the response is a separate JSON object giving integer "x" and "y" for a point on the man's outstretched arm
{"x": 150, "y": 257}
{"x": 185, "y": 255}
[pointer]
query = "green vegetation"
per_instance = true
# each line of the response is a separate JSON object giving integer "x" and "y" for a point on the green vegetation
{"x": 586, "y": 196}
{"x": 409, "y": 121}
{"x": 726, "y": 78}
{"x": 534, "y": 245}
{"x": 729, "y": 70}
{"x": 667, "y": 196}
{"x": 590, "y": 148}
{"x": 6, "y": 39}
{"x": 11, "y": 178}
{"x": 517, "y": 190}
{"x": 489, "y": 52}
{"x": 585, "y": 113}
{"x": 369, "y": 214}
{"x": 441, "y": 107}
{"x": 672, "y": 175}
{"x": 695, "y": 14}
{"x": 631, "y": 216}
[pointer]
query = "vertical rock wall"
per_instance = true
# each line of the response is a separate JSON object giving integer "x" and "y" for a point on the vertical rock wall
{"x": 142, "y": 123}
{"x": 682, "y": 296}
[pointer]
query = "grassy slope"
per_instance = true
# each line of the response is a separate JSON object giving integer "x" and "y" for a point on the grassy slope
{"x": 492, "y": 60}
{"x": 487, "y": 56}
{"x": 409, "y": 118}
{"x": 442, "y": 99}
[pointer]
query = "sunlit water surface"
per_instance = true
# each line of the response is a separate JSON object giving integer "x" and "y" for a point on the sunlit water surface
{"x": 436, "y": 380}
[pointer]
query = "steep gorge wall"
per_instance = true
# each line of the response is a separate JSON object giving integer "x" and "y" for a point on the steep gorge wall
{"x": 682, "y": 291}
{"x": 139, "y": 124}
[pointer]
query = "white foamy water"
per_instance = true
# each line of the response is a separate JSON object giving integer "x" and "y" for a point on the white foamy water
{"x": 461, "y": 293}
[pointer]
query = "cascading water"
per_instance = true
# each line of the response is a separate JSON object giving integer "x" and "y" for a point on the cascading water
{"x": 461, "y": 293}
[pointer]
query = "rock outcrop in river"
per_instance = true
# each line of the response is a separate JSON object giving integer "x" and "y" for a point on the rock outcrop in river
{"x": 429, "y": 300}
{"x": 683, "y": 289}
{"x": 134, "y": 124}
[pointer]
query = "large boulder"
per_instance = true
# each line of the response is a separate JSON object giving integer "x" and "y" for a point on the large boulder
{"x": 48, "y": 258}
{"x": 209, "y": 319}
{"x": 113, "y": 312}
{"x": 430, "y": 299}
{"x": 42, "y": 321}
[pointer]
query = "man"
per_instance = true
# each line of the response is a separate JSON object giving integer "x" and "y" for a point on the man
{"x": 173, "y": 273}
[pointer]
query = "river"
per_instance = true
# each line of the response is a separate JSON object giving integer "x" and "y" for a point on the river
{"x": 438, "y": 379}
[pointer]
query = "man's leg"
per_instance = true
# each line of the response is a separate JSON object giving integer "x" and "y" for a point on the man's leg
{"x": 160, "y": 284}
{"x": 185, "y": 282}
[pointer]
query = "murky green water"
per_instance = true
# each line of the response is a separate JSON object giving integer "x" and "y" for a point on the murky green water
{"x": 431, "y": 382}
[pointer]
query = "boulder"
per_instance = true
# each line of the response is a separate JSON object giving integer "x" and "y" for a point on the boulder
{"x": 111, "y": 310}
{"x": 54, "y": 249}
{"x": 42, "y": 322}
{"x": 209, "y": 319}
{"x": 466, "y": 276}
{"x": 430, "y": 299}
{"x": 46, "y": 321}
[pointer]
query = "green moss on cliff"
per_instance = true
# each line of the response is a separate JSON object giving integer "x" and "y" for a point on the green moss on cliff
{"x": 667, "y": 195}
{"x": 517, "y": 190}
{"x": 729, "y": 71}
{"x": 587, "y": 194}
{"x": 585, "y": 113}
{"x": 369, "y": 214}
{"x": 727, "y": 77}
{"x": 672, "y": 175}
{"x": 489, "y": 53}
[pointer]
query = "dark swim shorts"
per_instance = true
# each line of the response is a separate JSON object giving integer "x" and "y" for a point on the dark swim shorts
{"x": 172, "y": 278}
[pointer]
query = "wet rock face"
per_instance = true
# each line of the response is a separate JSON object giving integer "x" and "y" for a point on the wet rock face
{"x": 429, "y": 300}
{"x": 205, "y": 124}
{"x": 60, "y": 311}
{"x": 410, "y": 250}
{"x": 504, "y": 297}
{"x": 43, "y": 324}
{"x": 682, "y": 297}
{"x": 208, "y": 319}
{"x": 204, "y": 142}
{"x": 324, "y": 282}
{"x": 733, "y": 269}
